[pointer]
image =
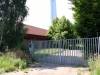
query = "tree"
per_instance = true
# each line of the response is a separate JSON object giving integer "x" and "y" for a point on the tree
{"x": 87, "y": 17}
{"x": 60, "y": 29}
{"x": 12, "y": 14}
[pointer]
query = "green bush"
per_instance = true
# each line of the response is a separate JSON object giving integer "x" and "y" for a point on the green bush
{"x": 91, "y": 64}
{"x": 19, "y": 63}
{"x": 8, "y": 63}
{"x": 95, "y": 67}
{"x": 22, "y": 47}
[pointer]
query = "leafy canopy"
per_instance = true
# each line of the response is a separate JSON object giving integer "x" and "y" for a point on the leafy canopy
{"x": 60, "y": 29}
{"x": 87, "y": 17}
{"x": 12, "y": 14}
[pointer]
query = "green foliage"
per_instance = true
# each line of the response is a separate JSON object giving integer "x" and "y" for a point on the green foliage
{"x": 60, "y": 29}
{"x": 87, "y": 21}
{"x": 22, "y": 47}
{"x": 91, "y": 63}
{"x": 8, "y": 63}
{"x": 11, "y": 22}
{"x": 94, "y": 66}
{"x": 19, "y": 63}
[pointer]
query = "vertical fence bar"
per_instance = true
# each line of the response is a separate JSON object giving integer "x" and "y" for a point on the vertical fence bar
{"x": 75, "y": 46}
{"x": 46, "y": 54}
{"x": 55, "y": 49}
{"x": 98, "y": 46}
{"x": 87, "y": 48}
{"x": 74, "y": 60}
{"x": 32, "y": 49}
{"x": 73, "y": 50}
{"x": 90, "y": 41}
{"x": 78, "y": 52}
{"x": 83, "y": 48}
{"x": 48, "y": 51}
{"x": 79, "y": 46}
{"x": 65, "y": 44}
{"x": 93, "y": 49}
{"x": 42, "y": 51}
{"x": 68, "y": 51}
{"x": 52, "y": 52}
{"x": 60, "y": 51}
{"x": 63, "y": 56}
{"x": 36, "y": 49}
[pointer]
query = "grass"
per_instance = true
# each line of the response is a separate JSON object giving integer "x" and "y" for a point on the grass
{"x": 25, "y": 70}
{"x": 8, "y": 63}
{"x": 46, "y": 52}
{"x": 94, "y": 67}
{"x": 83, "y": 71}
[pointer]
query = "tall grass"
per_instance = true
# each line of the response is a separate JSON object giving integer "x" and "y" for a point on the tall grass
{"x": 94, "y": 66}
{"x": 8, "y": 63}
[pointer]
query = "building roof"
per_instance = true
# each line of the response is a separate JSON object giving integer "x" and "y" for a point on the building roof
{"x": 35, "y": 30}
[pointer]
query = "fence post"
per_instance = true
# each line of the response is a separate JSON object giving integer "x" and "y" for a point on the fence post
{"x": 98, "y": 46}
{"x": 32, "y": 49}
{"x": 60, "y": 50}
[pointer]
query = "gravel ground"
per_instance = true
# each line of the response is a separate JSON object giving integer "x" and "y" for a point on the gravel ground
{"x": 50, "y": 69}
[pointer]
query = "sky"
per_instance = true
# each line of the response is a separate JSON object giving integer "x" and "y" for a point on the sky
{"x": 39, "y": 14}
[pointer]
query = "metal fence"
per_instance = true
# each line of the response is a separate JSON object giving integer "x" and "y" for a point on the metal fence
{"x": 67, "y": 51}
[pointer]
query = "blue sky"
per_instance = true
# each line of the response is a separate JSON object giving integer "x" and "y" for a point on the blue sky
{"x": 40, "y": 12}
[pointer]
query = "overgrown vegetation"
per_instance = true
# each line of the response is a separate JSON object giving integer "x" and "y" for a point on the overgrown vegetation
{"x": 94, "y": 66}
{"x": 10, "y": 63}
{"x": 22, "y": 47}
{"x": 12, "y": 32}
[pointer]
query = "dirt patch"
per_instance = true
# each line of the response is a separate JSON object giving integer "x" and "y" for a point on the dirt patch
{"x": 50, "y": 69}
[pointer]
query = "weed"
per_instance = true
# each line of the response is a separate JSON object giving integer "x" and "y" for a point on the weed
{"x": 95, "y": 67}
{"x": 25, "y": 70}
{"x": 8, "y": 63}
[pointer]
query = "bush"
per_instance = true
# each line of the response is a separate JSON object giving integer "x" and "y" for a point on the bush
{"x": 8, "y": 63}
{"x": 20, "y": 54}
{"x": 95, "y": 67}
{"x": 19, "y": 63}
{"x": 22, "y": 47}
{"x": 91, "y": 64}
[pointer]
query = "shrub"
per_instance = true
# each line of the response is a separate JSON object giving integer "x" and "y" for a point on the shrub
{"x": 8, "y": 63}
{"x": 19, "y": 63}
{"x": 91, "y": 64}
{"x": 22, "y": 47}
{"x": 95, "y": 67}
{"x": 20, "y": 54}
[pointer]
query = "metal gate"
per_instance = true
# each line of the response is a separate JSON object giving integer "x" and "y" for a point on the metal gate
{"x": 74, "y": 52}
